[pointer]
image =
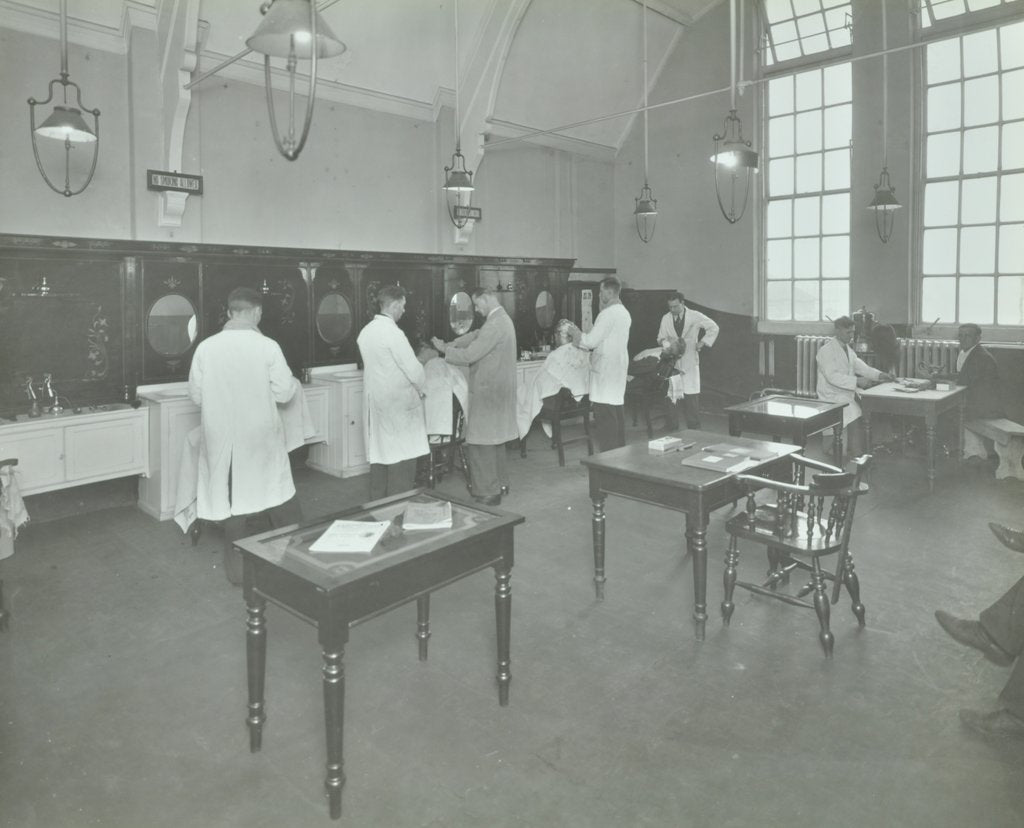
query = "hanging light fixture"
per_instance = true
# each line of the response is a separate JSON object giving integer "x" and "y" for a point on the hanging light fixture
{"x": 289, "y": 30}
{"x": 733, "y": 156}
{"x": 884, "y": 204}
{"x": 458, "y": 181}
{"x": 645, "y": 213}
{"x": 65, "y": 123}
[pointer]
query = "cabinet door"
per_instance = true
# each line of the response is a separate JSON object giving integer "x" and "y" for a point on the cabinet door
{"x": 316, "y": 398}
{"x": 355, "y": 441}
{"x": 40, "y": 456}
{"x": 106, "y": 449}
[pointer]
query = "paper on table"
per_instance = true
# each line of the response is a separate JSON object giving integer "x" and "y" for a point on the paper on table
{"x": 350, "y": 536}
{"x": 436, "y": 515}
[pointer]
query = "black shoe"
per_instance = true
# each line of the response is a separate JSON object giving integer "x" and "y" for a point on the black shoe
{"x": 1010, "y": 538}
{"x": 504, "y": 490}
{"x": 489, "y": 500}
{"x": 999, "y": 723}
{"x": 972, "y": 634}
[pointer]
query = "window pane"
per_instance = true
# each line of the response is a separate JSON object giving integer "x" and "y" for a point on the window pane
{"x": 1011, "y": 198}
{"x": 981, "y": 150}
{"x": 808, "y": 131}
{"x": 835, "y": 257}
{"x": 938, "y": 299}
{"x": 812, "y": 33}
{"x": 978, "y": 200}
{"x": 779, "y": 300}
{"x": 944, "y": 107}
{"x": 787, "y": 46}
{"x": 940, "y": 203}
{"x": 1013, "y": 95}
{"x": 806, "y": 261}
{"x": 780, "y": 96}
{"x": 981, "y": 101}
{"x": 1011, "y": 41}
{"x": 1011, "y": 248}
{"x": 779, "y": 220}
{"x": 939, "y": 252}
{"x": 780, "y": 136}
{"x": 947, "y": 8}
{"x": 805, "y": 301}
{"x": 779, "y": 261}
{"x": 835, "y": 20}
{"x": 808, "y": 173}
{"x": 780, "y": 177}
{"x": 980, "y": 54}
{"x": 838, "y": 84}
{"x": 835, "y": 298}
{"x": 944, "y": 154}
{"x": 943, "y": 61}
{"x": 805, "y": 216}
{"x": 838, "y": 126}
{"x": 837, "y": 169}
{"x": 801, "y": 7}
{"x": 978, "y": 250}
{"x": 976, "y": 300}
{"x": 1013, "y": 146}
{"x": 835, "y": 213}
{"x": 1011, "y": 300}
{"x": 808, "y": 89}
{"x": 776, "y": 10}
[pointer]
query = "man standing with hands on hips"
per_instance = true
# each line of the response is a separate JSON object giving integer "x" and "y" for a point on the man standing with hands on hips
{"x": 609, "y": 358}
{"x": 681, "y": 331}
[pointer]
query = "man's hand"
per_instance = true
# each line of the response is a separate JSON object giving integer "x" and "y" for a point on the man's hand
{"x": 886, "y": 377}
{"x": 439, "y": 344}
{"x": 864, "y": 382}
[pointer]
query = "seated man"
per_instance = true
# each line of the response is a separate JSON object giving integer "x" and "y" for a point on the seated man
{"x": 976, "y": 369}
{"x": 565, "y": 367}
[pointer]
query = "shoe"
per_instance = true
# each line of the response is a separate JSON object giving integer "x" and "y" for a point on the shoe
{"x": 1010, "y": 538}
{"x": 973, "y": 634}
{"x": 999, "y": 723}
{"x": 489, "y": 500}
{"x": 504, "y": 490}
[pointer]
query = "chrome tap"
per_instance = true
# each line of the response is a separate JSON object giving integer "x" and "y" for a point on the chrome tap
{"x": 54, "y": 401}
{"x": 31, "y": 393}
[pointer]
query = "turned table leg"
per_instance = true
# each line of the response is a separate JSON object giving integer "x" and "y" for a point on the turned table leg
{"x": 598, "y": 523}
{"x": 256, "y": 668}
{"x": 929, "y": 432}
{"x": 423, "y": 624}
{"x": 334, "y": 722}
{"x": 696, "y": 534}
{"x": 503, "y": 621}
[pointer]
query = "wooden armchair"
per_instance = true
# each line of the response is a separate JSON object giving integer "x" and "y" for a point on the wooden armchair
{"x": 806, "y": 522}
{"x": 447, "y": 449}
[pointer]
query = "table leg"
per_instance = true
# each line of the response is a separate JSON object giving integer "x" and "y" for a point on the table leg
{"x": 503, "y": 619}
{"x": 696, "y": 537}
{"x": 598, "y": 527}
{"x": 867, "y": 435}
{"x": 423, "y": 624}
{"x": 256, "y": 668}
{"x": 929, "y": 434}
{"x": 334, "y": 720}
{"x": 837, "y": 444}
{"x": 960, "y": 431}
{"x": 734, "y": 431}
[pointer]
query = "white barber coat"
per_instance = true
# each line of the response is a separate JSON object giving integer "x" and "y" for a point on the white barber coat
{"x": 238, "y": 377}
{"x": 393, "y": 420}
{"x": 688, "y": 365}
{"x": 607, "y": 341}
{"x": 838, "y": 369}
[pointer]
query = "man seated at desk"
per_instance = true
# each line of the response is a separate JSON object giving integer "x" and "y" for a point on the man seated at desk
{"x": 565, "y": 367}
{"x": 840, "y": 373}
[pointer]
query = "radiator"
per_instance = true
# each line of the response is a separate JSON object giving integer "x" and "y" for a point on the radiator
{"x": 806, "y": 364}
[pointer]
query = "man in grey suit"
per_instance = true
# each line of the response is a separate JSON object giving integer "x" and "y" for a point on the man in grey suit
{"x": 490, "y": 352}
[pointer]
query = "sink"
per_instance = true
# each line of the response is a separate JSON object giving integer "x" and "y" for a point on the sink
{"x": 71, "y": 412}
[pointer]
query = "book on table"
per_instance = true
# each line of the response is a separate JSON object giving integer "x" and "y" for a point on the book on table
{"x": 436, "y": 514}
{"x": 728, "y": 458}
{"x": 352, "y": 536}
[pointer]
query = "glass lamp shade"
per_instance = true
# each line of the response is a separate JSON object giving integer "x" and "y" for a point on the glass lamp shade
{"x": 735, "y": 155}
{"x": 66, "y": 123}
{"x": 645, "y": 215}
{"x": 285, "y": 30}
{"x": 459, "y": 181}
{"x": 884, "y": 205}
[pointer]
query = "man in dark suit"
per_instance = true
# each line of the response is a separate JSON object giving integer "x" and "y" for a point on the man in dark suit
{"x": 976, "y": 369}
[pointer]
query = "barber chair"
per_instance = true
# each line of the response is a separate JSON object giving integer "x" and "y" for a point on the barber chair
{"x": 558, "y": 409}
{"x": 806, "y": 522}
{"x": 647, "y": 392}
{"x": 447, "y": 450}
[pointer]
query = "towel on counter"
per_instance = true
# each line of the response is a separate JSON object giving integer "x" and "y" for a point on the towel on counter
{"x": 13, "y": 514}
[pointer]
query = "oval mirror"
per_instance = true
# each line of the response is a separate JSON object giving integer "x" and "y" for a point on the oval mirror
{"x": 545, "y": 309}
{"x": 171, "y": 326}
{"x": 334, "y": 318}
{"x": 460, "y": 313}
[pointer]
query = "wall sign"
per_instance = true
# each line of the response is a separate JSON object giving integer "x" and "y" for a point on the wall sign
{"x": 160, "y": 181}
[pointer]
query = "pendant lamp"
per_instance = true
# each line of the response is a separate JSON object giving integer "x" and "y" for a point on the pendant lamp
{"x": 645, "y": 214}
{"x": 884, "y": 203}
{"x": 458, "y": 181}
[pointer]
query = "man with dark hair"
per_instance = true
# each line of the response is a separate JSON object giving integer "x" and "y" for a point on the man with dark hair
{"x": 490, "y": 352}
{"x": 976, "y": 368}
{"x": 840, "y": 373}
{"x": 607, "y": 342}
{"x": 238, "y": 377}
{"x": 393, "y": 379}
{"x": 684, "y": 332}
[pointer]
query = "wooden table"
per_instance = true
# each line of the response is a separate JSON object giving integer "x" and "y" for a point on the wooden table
{"x": 337, "y": 591}
{"x": 636, "y": 473}
{"x": 929, "y": 405}
{"x": 794, "y": 418}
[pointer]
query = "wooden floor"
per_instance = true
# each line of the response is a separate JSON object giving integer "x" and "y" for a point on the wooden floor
{"x": 122, "y": 677}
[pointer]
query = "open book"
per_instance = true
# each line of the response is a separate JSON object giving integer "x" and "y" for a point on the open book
{"x": 434, "y": 515}
{"x": 354, "y": 536}
{"x": 727, "y": 458}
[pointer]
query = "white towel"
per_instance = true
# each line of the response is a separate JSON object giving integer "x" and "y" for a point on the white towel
{"x": 13, "y": 513}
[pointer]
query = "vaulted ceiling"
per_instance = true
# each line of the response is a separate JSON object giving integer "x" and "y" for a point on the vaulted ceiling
{"x": 524, "y": 65}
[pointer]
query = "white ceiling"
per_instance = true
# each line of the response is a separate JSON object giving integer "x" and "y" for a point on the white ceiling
{"x": 524, "y": 64}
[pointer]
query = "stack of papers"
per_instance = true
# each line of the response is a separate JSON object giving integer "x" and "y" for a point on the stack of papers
{"x": 434, "y": 515}
{"x": 728, "y": 459}
{"x": 353, "y": 536}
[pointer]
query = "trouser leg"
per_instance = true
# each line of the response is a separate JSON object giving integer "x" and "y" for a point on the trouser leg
{"x": 285, "y": 513}
{"x": 401, "y": 476}
{"x": 483, "y": 469}
{"x": 235, "y": 527}
{"x": 691, "y": 410}
{"x": 609, "y": 426}
{"x": 501, "y": 464}
{"x": 378, "y": 481}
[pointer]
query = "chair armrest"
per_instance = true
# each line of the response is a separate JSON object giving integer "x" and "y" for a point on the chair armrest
{"x": 815, "y": 464}
{"x": 764, "y": 483}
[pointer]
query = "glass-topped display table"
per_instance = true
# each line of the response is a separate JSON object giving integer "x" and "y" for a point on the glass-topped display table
{"x": 335, "y": 591}
{"x": 792, "y": 418}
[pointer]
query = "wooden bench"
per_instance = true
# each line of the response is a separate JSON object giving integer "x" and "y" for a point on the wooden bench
{"x": 1009, "y": 439}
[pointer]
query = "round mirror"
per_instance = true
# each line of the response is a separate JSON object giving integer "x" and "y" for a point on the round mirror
{"x": 460, "y": 313}
{"x": 545, "y": 309}
{"x": 171, "y": 326}
{"x": 333, "y": 318}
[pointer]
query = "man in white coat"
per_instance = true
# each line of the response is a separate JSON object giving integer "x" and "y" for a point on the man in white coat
{"x": 490, "y": 352}
{"x": 607, "y": 342}
{"x": 238, "y": 377}
{"x": 840, "y": 373}
{"x": 681, "y": 329}
{"x": 393, "y": 420}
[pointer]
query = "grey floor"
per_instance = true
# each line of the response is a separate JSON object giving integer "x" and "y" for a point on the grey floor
{"x": 122, "y": 678}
